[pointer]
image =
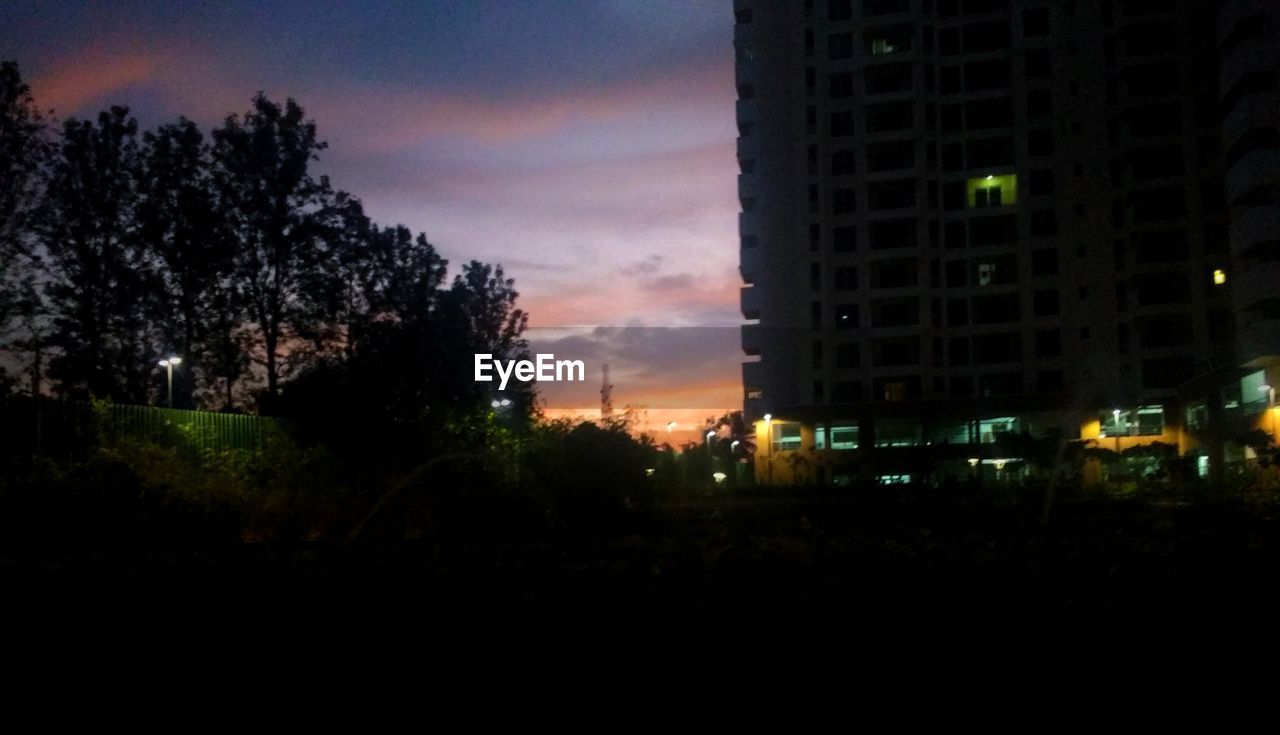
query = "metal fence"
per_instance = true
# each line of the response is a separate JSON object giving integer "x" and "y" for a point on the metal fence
{"x": 60, "y": 429}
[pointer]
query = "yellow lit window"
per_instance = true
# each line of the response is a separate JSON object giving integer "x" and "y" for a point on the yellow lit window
{"x": 992, "y": 191}
{"x": 1219, "y": 276}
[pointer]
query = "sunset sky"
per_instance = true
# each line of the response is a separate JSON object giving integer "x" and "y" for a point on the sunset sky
{"x": 586, "y": 146}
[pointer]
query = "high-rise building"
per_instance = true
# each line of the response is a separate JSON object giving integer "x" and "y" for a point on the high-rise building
{"x": 971, "y": 224}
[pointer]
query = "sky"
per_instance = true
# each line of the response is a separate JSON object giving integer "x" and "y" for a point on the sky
{"x": 588, "y": 147}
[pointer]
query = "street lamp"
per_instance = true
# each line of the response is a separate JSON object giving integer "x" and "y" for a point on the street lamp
{"x": 670, "y": 425}
{"x": 1116, "y": 423}
{"x": 1271, "y": 406}
{"x": 168, "y": 364}
{"x": 768, "y": 444}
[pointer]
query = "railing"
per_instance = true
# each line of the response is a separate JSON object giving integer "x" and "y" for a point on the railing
{"x": 60, "y": 429}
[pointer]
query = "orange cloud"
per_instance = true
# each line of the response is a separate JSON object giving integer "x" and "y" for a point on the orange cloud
{"x": 87, "y": 77}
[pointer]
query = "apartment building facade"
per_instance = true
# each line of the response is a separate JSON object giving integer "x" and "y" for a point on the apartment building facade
{"x": 971, "y": 225}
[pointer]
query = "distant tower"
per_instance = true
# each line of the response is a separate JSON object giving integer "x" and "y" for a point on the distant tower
{"x": 606, "y": 395}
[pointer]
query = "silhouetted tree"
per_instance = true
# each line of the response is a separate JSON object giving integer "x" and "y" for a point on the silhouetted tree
{"x": 95, "y": 272}
{"x": 277, "y": 211}
{"x": 183, "y": 233}
{"x": 482, "y": 302}
{"x": 23, "y": 154}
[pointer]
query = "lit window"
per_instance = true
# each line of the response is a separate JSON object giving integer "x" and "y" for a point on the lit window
{"x": 1219, "y": 276}
{"x": 986, "y": 273}
{"x": 992, "y": 191}
{"x": 844, "y": 437}
{"x": 1251, "y": 393}
{"x": 992, "y": 429}
{"x": 786, "y": 436}
{"x": 881, "y": 46}
{"x": 1145, "y": 421}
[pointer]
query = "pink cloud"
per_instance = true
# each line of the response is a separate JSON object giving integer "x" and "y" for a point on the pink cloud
{"x": 401, "y": 118}
{"x": 91, "y": 75}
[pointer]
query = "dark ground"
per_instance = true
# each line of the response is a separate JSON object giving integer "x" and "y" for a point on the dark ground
{"x": 878, "y": 559}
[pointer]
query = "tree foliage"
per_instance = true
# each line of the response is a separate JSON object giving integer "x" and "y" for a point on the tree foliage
{"x": 231, "y": 251}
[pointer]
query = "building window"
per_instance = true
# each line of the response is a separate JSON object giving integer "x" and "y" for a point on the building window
{"x": 847, "y": 316}
{"x": 986, "y": 273}
{"x": 840, "y": 86}
{"x": 847, "y": 355}
{"x": 897, "y": 433}
{"x": 1040, "y": 142}
{"x": 843, "y": 201}
{"x": 786, "y": 436}
{"x": 992, "y": 190}
{"x": 1197, "y": 416}
{"x": 991, "y": 431}
{"x": 895, "y": 273}
{"x": 846, "y": 278}
{"x": 1035, "y": 22}
{"x": 895, "y": 312}
{"x": 1048, "y": 343}
{"x": 842, "y": 163}
{"x": 1045, "y": 303}
{"x": 888, "y": 234}
{"x": 842, "y": 124}
{"x": 1252, "y": 397}
{"x": 844, "y": 239}
{"x": 1039, "y": 103}
{"x": 1044, "y": 222}
{"x": 840, "y": 46}
{"x": 1144, "y": 421}
{"x": 844, "y": 436}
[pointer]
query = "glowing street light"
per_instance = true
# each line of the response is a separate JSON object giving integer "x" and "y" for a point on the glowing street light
{"x": 168, "y": 364}
{"x": 1116, "y": 414}
{"x": 1271, "y": 405}
{"x": 734, "y": 445}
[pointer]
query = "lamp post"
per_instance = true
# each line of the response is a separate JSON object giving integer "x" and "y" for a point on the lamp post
{"x": 1116, "y": 423}
{"x": 1271, "y": 406}
{"x": 168, "y": 364}
{"x": 670, "y": 425}
{"x": 768, "y": 445}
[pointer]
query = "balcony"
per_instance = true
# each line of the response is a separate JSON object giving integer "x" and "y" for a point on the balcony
{"x": 750, "y": 303}
{"x": 749, "y": 264}
{"x": 751, "y": 334}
